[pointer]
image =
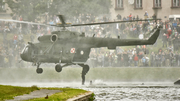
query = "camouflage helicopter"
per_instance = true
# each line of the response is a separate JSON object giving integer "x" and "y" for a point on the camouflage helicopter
{"x": 73, "y": 48}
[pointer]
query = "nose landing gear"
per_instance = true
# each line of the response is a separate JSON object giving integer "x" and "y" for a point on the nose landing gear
{"x": 39, "y": 70}
{"x": 58, "y": 68}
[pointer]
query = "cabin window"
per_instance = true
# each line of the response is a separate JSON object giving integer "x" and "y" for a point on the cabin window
{"x": 25, "y": 50}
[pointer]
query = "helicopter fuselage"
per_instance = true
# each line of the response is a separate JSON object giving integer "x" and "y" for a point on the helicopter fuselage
{"x": 61, "y": 46}
{"x": 74, "y": 47}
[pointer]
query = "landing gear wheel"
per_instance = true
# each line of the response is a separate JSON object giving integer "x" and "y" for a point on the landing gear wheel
{"x": 58, "y": 68}
{"x": 39, "y": 70}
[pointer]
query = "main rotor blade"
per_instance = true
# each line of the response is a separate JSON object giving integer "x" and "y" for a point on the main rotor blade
{"x": 112, "y": 22}
{"x": 25, "y": 22}
{"x": 63, "y": 24}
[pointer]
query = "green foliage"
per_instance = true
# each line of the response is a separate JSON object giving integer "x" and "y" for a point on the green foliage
{"x": 1, "y": 4}
{"x": 92, "y": 98}
{"x": 34, "y": 87}
{"x": 31, "y": 9}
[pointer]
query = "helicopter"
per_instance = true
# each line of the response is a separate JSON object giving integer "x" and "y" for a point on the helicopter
{"x": 73, "y": 48}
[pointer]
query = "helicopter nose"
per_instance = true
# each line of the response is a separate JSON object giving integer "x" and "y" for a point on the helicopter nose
{"x": 23, "y": 57}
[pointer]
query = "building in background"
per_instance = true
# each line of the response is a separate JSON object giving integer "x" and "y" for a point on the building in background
{"x": 164, "y": 8}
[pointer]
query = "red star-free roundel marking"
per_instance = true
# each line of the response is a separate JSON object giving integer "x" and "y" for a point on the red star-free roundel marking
{"x": 72, "y": 50}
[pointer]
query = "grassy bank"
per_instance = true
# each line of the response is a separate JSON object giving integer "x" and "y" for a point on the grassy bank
{"x": 8, "y": 92}
{"x": 66, "y": 94}
{"x": 70, "y": 74}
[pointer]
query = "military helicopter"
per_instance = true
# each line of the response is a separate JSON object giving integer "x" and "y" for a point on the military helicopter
{"x": 73, "y": 48}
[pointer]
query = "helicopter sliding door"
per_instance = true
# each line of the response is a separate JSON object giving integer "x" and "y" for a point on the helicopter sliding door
{"x": 81, "y": 55}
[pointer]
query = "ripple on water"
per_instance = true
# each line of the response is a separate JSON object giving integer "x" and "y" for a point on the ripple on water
{"x": 136, "y": 94}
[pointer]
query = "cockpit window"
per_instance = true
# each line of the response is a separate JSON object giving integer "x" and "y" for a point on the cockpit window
{"x": 25, "y": 50}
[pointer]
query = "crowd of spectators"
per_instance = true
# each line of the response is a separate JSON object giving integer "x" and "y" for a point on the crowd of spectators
{"x": 14, "y": 35}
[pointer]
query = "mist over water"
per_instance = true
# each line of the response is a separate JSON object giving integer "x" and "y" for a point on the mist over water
{"x": 73, "y": 74}
{"x": 108, "y": 84}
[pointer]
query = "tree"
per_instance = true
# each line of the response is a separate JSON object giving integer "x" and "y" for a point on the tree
{"x": 31, "y": 9}
{"x": 2, "y": 3}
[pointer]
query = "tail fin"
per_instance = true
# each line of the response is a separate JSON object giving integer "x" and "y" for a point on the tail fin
{"x": 155, "y": 35}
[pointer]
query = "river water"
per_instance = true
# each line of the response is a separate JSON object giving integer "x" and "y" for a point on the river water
{"x": 120, "y": 91}
{"x": 136, "y": 92}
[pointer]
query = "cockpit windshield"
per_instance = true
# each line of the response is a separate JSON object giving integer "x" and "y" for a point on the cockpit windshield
{"x": 25, "y": 50}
